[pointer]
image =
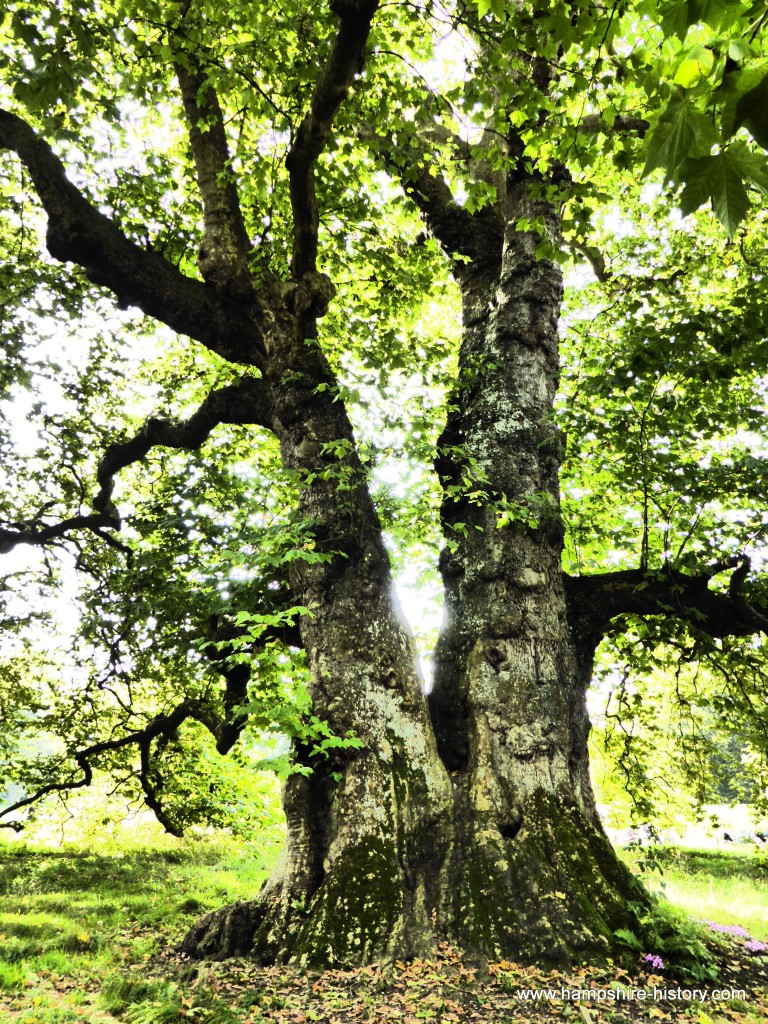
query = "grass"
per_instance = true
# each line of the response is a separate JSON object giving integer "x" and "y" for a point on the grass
{"x": 70, "y": 920}
{"x": 80, "y": 935}
{"x": 726, "y": 887}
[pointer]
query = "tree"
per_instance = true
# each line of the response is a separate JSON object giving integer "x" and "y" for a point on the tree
{"x": 281, "y": 193}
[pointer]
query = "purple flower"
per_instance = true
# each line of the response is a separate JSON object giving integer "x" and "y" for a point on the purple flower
{"x": 654, "y": 961}
{"x": 756, "y": 946}
{"x": 729, "y": 929}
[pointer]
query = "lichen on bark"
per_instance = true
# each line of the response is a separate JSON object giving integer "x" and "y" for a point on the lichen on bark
{"x": 473, "y": 821}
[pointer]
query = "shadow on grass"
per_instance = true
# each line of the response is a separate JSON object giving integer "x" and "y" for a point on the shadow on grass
{"x": 80, "y": 912}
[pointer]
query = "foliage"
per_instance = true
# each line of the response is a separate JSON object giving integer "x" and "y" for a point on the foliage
{"x": 667, "y": 768}
{"x": 678, "y": 939}
{"x": 652, "y": 110}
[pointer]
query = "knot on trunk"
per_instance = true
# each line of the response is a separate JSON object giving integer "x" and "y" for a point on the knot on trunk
{"x": 310, "y": 295}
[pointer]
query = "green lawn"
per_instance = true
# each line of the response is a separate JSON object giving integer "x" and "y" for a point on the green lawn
{"x": 726, "y": 887}
{"x": 80, "y": 935}
{"x": 72, "y": 924}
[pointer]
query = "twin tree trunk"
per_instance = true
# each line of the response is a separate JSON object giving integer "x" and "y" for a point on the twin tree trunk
{"x": 467, "y": 816}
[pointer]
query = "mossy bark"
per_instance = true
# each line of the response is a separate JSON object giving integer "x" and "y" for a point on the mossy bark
{"x": 473, "y": 819}
{"x": 368, "y": 829}
{"x": 535, "y": 875}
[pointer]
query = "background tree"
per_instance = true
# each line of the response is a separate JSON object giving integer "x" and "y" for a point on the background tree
{"x": 283, "y": 194}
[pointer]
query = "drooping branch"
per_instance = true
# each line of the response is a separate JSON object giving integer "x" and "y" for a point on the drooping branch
{"x": 248, "y": 401}
{"x": 161, "y": 725}
{"x": 163, "y": 728}
{"x": 345, "y": 60}
{"x": 225, "y": 248}
{"x": 150, "y": 790}
{"x": 596, "y": 601}
{"x": 79, "y": 233}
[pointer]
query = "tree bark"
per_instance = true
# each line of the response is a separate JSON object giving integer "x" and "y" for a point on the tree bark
{"x": 368, "y": 831}
{"x": 479, "y": 825}
{"x": 534, "y": 873}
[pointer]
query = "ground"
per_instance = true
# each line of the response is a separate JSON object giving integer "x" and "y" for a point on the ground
{"x": 89, "y": 939}
{"x": 445, "y": 989}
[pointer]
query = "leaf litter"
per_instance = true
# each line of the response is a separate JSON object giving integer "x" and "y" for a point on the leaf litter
{"x": 446, "y": 988}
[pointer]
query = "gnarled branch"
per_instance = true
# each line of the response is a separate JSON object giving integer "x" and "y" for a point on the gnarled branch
{"x": 595, "y": 601}
{"x": 13, "y": 534}
{"x": 249, "y": 401}
{"x": 160, "y": 725}
{"x": 81, "y": 234}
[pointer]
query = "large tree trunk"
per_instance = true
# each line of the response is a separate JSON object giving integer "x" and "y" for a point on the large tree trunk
{"x": 477, "y": 823}
{"x": 533, "y": 873}
{"x": 367, "y": 831}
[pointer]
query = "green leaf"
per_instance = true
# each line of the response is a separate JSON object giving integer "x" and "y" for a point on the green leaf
{"x": 719, "y": 179}
{"x": 682, "y": 133}
{"x": 697, "y": 190}
{"x": 753, "y": 167}
{"x": 676, "y": 19}
{"x": 729, "y": 197}
{"x": 739, "y": 49}
{"x": 752, "y": 112}
{"x": 697, "y": 64}
{"x": 679, "y": 16}
{"x": 711, "y": 12}
{"x": 628, "y": 938}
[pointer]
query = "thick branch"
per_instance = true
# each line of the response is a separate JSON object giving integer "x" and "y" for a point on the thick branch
{"x": 477, "y": 236}
{"x": 595, "y": 601}
{"x": 621, "y": 124}
{"x": 236, "y": 675}
{"x": 596, "y": 260}
{"x": 14, "y": 534}
{"x": 225, "y": 248}
{"x": 247, "y": 402}
{"x": 79, "y": 233}
{"x": 344, "y": 62}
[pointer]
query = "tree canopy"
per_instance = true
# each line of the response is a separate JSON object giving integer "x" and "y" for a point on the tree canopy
{"x": 257, "y": 349}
